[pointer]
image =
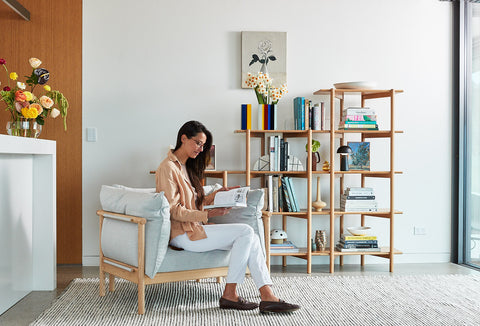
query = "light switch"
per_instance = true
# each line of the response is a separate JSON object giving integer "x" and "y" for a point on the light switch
{"x": 92, "y": 134}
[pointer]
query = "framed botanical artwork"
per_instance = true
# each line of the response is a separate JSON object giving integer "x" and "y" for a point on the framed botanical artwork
{"x": 265, "y": 52}
{"x": 211, "y": 164}
{"x": 360, "y": 157}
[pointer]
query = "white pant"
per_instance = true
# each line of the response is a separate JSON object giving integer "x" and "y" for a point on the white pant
{"x": 245, "y": 249}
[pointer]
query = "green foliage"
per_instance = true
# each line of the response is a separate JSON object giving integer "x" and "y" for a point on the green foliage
{"x": 62, "y": 103}
{"x": 315, "y": 146}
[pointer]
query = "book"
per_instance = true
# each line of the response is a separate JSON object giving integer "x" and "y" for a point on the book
{"x": 358, "y": 126}
{"x": 357, "y": 245}
{"x": 357, "y": 237}
{"x": 359, "y": 118}
{"x": 350, "y": 242}
{"x": 236, "y": 197}
{"x": 358, "y": 122}
{"x": 270, "y": 193}
{"x": 286, "y": 195}
{"x": 286, "y": 244}
{"x": 358, "y": 209}
{"x": 358, "y": 197}
{"x": 260, "y": 117}
{"x": 293, "y": 197}
{"x": 356, "y": 249}
{"x": 358, "y": 111}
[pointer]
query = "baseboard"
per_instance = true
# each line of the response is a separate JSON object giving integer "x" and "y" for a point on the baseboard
{"x": 400, "y": 259}
{"x": 91, "y": 260}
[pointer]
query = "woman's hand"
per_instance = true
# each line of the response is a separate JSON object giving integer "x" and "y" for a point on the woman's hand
{"x": 218, "y": 211}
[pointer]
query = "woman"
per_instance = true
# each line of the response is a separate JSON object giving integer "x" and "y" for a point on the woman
{"x": 180, "y": 177}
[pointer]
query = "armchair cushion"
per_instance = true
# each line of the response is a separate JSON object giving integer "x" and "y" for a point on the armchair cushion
{"x": 119, "y": 239}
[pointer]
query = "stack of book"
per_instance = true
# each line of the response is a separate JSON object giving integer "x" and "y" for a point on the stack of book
{"x": 353, "y": 243}
{"x": 285, "y": 247}
{"x": 358, "y": 199}
{"x": 358, "y": 118}
{"x": 307, "y": 115}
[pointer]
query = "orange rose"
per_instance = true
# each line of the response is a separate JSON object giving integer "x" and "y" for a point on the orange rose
{"x": 46, "y": 102}
{"x": 37, "y": 107}
{"x": 19, "y": 96}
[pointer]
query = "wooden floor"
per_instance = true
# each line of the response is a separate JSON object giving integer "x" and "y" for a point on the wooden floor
{"x": 26, "y": 310}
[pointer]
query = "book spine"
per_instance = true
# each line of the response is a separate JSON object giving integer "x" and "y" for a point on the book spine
{"x": 358, "y": 237}
{"x": 359, "y": 193}
{"x": 357, "y": 197}
{"x": 260, "y": 117}
{"x": 282, "y": 155}
{"x": 360, "y": 188}
{"x": 244, "y": 116}
{"x": 249, "y": 116}
{"x": 323, "y": 118}
{"x": 272, "y": 153}
{"x": 316, "y": 117}
{"x": 266, "y": 117}
{"x": 270, "y": 193}
{"x": 307, "y": 114}
{"x": 360, "y": 245}
{"x": 295, "y": 112}
{"x": 302, "y": 114}
{"x": 294, "y": 197}
{"x": 350, "y": 123}
{"x": 277, "y": 153}
{"x": 359, "y": 118}
{"x": 286, "y": 195}
{"x": 354, "y": 242}
{"x": 356, "y": 249}
{"x": 275, "y": 116}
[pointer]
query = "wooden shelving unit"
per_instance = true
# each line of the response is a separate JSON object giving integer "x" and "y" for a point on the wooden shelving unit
{"x": 388, "y": 213}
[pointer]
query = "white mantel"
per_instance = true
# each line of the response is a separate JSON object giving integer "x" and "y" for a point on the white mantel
{"x": 27, "y": 217}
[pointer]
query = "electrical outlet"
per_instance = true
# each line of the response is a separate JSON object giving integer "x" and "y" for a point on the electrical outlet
{"x": 419, "y": 230}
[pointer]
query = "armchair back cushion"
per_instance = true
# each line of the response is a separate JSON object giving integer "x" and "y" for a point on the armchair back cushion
{"x": 119, "y": 239}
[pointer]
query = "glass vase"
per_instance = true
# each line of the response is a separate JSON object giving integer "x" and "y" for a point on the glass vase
{"x": 24, "y": 128}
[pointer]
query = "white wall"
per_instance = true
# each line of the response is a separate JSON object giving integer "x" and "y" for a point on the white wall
{"x": 151, "y": 65}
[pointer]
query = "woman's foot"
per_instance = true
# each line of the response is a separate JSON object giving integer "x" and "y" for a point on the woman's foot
{"x": 277, "y": 306}
{"x": 240, "y": 304}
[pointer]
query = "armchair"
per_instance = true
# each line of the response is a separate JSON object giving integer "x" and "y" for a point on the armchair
{"x": 134, "y": 237}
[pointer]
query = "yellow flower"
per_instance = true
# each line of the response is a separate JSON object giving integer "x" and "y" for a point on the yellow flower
{"x": 30, "y": 112}
{"x": 47, "y": 88}
{"x": 34, "y": 62}
{"x": 29, "y": 96}
{"x": 13, "y": 76}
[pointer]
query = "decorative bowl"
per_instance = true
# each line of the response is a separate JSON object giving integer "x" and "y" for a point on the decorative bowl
{"x": 359, "y": 230}
{"x": 355, "y": 85}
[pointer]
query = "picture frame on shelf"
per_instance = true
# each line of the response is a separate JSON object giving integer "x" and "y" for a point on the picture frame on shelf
{"x": 359, "y": 160}
{"x": 211, "y": 165}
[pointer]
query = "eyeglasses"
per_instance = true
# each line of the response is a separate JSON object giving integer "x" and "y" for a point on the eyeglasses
{"x": 198, "y": 143}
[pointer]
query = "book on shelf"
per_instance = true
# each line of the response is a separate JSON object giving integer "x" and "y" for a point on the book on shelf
{"x": 358, "y": 209}
{"x": 349, "y": 237}
{"x": 236, "y": 197}
{"x": 357, "y": 202}
{"x": 246, "y": 116}
{"x": 286, "y": 196}
{"x": 270, "y": 193}
{"x": 357, "y": 249}
{"x": 357, "y": 245}
{"x": 359, "y": 126}
{"x": 360, "y": 117}
{"x": 359, "y": 191}
{"x": 358, "y": 197}
{"x": 293, "y": 197}
{"x": 359, "y": 242}
{"x": 352, "y": 110}
{"x": 287, "y": 244}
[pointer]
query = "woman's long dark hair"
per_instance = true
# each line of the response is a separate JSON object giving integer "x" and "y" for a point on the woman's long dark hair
{"x": 196, "y": 166}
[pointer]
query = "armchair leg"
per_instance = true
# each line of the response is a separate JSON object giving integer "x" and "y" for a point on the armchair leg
{"x": 141, "y": 298}
{"x": 111, "y": 282}
{"x": 219, "y": 279}
{"x": 102, "y": 282}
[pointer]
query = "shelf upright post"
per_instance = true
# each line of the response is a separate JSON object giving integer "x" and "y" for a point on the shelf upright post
{"x": 247, "y": 155}
{"x": 362, "y": 217}
{"x": 309, "y": 201}
{"x": 392, "y": 175}
{"x": 332, "y": 180}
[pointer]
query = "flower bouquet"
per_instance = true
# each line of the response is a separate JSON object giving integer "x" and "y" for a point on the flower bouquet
{"x": 264, "y": 90}
{"x": 27, "y": 110}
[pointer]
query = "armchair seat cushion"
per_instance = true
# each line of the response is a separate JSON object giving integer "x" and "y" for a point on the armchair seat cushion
{"x": 187, "y": 260}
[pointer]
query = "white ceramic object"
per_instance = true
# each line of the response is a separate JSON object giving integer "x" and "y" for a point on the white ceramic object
{"x": 356, "y": 85}
{"x": 360, "y": 230}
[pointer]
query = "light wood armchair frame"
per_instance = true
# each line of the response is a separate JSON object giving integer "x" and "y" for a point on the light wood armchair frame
{"x": 137, "y": 274}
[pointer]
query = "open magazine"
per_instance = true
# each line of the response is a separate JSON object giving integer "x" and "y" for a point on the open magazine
{"x": 232, "y": 198}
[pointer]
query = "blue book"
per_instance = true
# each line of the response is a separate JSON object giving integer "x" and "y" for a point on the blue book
{"x": 293, "y": 197}
{"x": 244, "y": 116}
{"x": 286, "y": 194}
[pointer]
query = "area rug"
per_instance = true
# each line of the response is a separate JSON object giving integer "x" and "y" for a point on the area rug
{"x": 325, "y": 300}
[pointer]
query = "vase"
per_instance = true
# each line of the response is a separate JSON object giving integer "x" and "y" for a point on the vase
{"x": 24, "y": 128}
{"x": 315, "y": 160}
{"x": 318, "y": 204}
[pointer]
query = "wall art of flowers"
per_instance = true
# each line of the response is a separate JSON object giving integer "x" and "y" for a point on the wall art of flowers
{"x": 28, "y": 100}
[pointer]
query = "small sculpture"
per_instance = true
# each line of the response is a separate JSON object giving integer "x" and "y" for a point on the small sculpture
{"x": 278, "y": 236}
{"x": 326, "y": 166}
{"x": 321, "y": 239}
{"x": 318, "y": 204}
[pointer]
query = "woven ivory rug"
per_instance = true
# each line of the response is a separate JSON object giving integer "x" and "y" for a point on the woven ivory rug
{"x": 325, "y": 300}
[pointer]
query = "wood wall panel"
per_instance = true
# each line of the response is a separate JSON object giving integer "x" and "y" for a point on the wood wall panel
{"x": 54, "y": 35}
